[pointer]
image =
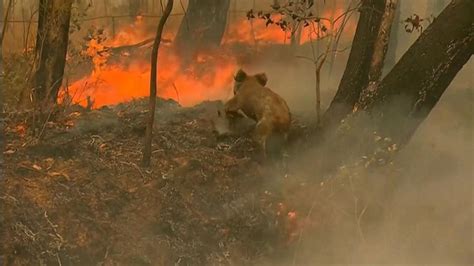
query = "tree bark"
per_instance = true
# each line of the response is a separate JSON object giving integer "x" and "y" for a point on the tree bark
{"x": 356, "y": 74}
{"x": 153, "y": 76}
{"x": 202, "y": 27}
{"x": 434, "y": 7}
{"x": 391, "y": 57}
{"x": 409, "y": 92}
{"x": 380, "y": 50}
{"x": 51, "y": 48}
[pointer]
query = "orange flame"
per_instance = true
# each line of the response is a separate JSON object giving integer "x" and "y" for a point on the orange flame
{"x": 208, "y": 78}
{"x": 118, "y": 83}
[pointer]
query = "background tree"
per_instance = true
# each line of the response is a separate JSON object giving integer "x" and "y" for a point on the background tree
{"x": 154, "y": 68}
{"x": 4, "y": 23}
{"x": 202, "y": 27}
{"x": 51, "y": 48}
{"x": 136, "y": 7}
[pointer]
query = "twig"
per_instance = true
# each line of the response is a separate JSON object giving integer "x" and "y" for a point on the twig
{"x": 60, "y": 238}
{"x": 176, "y": 90}
{"x": 134, "y": 166}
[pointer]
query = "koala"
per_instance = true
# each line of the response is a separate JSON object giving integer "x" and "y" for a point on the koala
{"x": 259, "y": 103}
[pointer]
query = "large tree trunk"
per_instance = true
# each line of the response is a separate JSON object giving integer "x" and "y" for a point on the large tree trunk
{"x": 202, "y": 27}
{"x": 356, "y": 74}
{"x": 154, "y": 68}
{"x": 51, "y": 48}
{"x": 409, "y": 92}
{"x": 434, "y": 7}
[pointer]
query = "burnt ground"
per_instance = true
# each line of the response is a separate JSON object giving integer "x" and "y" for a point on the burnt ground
{"x": 80, "y": 197}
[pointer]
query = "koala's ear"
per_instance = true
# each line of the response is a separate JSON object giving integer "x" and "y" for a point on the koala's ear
{"x": 262, "y": 78}
{"x": 240, "y": 76}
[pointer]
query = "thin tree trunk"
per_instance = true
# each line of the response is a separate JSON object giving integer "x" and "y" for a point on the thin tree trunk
{"x": 409, "y": 92}
{"x": 381, "y": 44}
{"x": 5, "y": 20}
{"x": 391, "y": 57}
{"x": 154, "y": 68}
{"x": 51, "y": 48}
{"x": 356, "y": 74}
{"x": 380, "y": 50}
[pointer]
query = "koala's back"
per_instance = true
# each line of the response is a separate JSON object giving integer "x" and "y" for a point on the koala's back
{"x": 261, "y": 102}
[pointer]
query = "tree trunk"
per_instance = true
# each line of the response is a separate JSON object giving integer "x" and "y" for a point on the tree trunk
{"x": 5, "y": 22}
{"x": 409, "y": 92}
{"x": 202, "y": 27}
{"x": 391, "y": 57}
{"x": 136, "y": 7}
{"x": 434, "y": 7}
{"x": 356, "y": 74}
{"x": 154, "y": 68}
{"x": 380, "y": 50}
{"x": 51, "y": 48}
{"x": 2, "y": 87}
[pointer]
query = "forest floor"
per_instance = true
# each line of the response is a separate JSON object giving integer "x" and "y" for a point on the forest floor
{"x": 80, "y": 197}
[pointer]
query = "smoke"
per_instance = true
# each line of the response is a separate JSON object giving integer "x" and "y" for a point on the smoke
{"x": 417, "y": 209}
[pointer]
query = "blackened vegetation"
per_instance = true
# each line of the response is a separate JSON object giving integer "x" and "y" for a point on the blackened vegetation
{"x": 291, "y": 16}
{"x": 204, "y": 202}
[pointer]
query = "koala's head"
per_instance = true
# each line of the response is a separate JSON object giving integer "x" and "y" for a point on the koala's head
{"x": 241, "y": 77}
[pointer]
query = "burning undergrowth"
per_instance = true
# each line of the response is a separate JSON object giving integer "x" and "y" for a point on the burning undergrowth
{"x": 121, "y": 70}
{"x": 80, "y": 197}
{"x": 121, "y": 62}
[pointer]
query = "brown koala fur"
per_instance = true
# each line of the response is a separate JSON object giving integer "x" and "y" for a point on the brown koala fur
{"x": 261, "y": 104}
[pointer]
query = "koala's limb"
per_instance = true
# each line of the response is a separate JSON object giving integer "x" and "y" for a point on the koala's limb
{"x": 263, "y": 129}
{"x": 233, "y": 112}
